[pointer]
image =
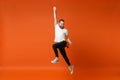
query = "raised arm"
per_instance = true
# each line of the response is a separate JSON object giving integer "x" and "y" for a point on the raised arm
{"x": 55, "y": 16}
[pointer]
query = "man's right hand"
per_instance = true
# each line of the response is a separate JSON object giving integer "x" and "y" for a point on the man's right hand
{"x": 54, "y": 8}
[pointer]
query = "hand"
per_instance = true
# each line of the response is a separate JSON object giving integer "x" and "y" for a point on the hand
{"x": 70, "y": 43}
{"x": 54, "y": 7}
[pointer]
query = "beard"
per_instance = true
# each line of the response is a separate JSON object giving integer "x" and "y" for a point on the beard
{"x": 62, "y": 27}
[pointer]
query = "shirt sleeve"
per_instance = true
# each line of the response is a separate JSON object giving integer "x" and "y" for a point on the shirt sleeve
{"x": 66, "y": 32}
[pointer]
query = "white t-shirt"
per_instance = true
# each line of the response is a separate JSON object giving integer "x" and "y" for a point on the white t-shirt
{"x": 60, "y": 33}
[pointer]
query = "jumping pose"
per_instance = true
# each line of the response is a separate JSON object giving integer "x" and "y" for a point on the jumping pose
{"x": 61, "y": 40}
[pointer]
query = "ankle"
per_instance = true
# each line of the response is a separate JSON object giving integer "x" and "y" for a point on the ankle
{"x": 70, "y": 66}
{"x": 56, "y": 58}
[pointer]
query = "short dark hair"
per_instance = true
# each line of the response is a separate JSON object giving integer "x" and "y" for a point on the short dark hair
{"x": 61, "y": 20}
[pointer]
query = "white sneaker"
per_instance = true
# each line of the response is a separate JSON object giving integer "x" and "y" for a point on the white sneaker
{"x": 71, "y": 68}
{"x": 55, "y": 60}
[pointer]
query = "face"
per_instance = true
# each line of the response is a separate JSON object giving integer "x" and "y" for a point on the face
{"x": 61, "y": 24}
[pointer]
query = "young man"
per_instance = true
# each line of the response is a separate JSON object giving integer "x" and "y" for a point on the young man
{"x": 61, "y": 41}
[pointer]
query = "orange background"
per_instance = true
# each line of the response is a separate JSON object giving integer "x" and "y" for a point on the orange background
{"x": 27, "y": 33}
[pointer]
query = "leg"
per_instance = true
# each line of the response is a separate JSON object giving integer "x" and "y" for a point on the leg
{"x": 55, "y": 46}
{"x": 63, "y": 52}
{"x": 55, "y": 49}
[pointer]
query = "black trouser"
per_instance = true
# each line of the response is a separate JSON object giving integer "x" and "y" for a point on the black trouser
{"x": 61, "y": 46}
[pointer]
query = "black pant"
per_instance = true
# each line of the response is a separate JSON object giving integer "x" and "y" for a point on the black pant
{"x": 61, "y": 46}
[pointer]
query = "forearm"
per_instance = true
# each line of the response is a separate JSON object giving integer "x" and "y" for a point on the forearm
{"x": 54, "y": 11}
{"x": 55, "y": 16}
{"x": 69, "y": 41}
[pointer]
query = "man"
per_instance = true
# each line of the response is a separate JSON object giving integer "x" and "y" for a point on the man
{"x": 61, "y": 41}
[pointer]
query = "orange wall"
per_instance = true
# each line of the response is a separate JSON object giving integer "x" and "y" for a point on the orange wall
{"x": 1, "y": 40}
{"x": 28, "y": 32}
